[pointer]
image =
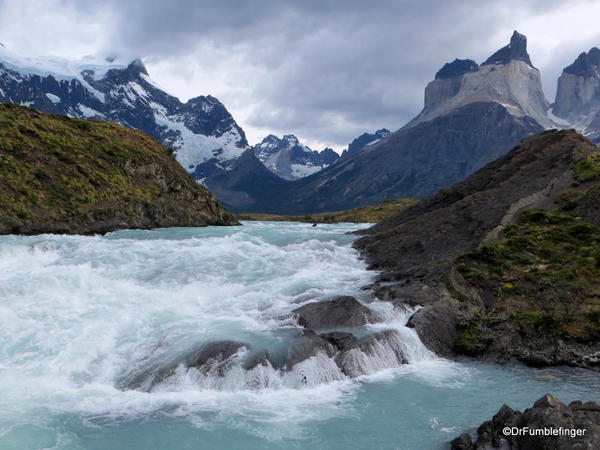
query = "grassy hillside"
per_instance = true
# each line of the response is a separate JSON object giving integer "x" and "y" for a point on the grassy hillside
{"x": 365, "y": 214}
{"x": 79, "y": 176}
{"x": 542, "y": 277}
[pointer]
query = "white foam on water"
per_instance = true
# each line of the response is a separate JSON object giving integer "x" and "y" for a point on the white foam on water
{"x": 76, "y": 312}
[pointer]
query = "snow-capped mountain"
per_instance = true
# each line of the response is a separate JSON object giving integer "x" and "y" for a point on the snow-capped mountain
{"x": 291, "y": 160}
{"x": 577, "y": 101}
{"x": 365, "y": 140}
{"x": 199, "y": 130}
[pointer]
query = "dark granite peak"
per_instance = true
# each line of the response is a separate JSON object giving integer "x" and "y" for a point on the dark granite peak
{"x": 456, "y": 68}
{"x": 515, "y": 50}
{"x": 364, "y": 140}
{"x": 586, "y": 64}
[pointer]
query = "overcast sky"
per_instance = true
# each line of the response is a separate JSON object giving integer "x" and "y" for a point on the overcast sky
{"x": 325, "y": 71}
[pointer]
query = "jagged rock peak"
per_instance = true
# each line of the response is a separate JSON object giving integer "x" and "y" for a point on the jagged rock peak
{"x": 586, "y": 64}
{"x": 456, "y": 68}
{"x": 578, "y": 95}
{"x": 289, "y": 159}
{"x": 290, "y": 138}
{"x": 515, "y": 50}
{"x": 364, "y": 140}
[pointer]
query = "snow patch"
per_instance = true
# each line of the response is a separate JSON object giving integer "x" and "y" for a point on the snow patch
{"x": 192, "y": 149}
{"x": 557, "y": 120}
{"x": 59, "y": 68}
{"x": 304, "y": 170}
{"x": 88, "y": 112}
{"x": 53, "y": 98}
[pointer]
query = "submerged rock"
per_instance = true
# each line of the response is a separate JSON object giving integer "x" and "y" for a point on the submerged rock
{"x": 377, "y": 351}
{"x": 213, "y": 358}
{"x": 307, "y": 345}
{"x": 547, "y": 413}
{"x": 342, "y": 311}
{"x": 259, "y": 359}
{"x": 436, "y": 324}
{"x": 354, "y": 357}
{"x": 340, "y": 339}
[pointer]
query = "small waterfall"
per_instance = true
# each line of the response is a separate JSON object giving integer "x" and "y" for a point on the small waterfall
{"x": 390, "y": 345}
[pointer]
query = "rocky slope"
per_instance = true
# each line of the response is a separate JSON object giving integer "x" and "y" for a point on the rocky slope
{"x": 61, "y": 175}
{"x": 200, "y": 130}
{"x": 413, "y": 162}
{"x": 506, "y": 263}
{"x": 365, "y": 140}
{"x": 291, "y": 160}
{"x": 578, "y": 95}
{"x": 580, "y": 419}
{"x": 246, "y": 183}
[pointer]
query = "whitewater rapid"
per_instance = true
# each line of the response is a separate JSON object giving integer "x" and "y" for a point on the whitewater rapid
{"x": 77, "y": 313}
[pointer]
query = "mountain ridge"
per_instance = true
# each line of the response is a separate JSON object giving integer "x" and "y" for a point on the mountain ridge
{"x": 289, "y": 159}
{"x": 121, "y": 91}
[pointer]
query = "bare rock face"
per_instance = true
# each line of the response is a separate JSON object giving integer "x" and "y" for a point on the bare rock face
{"x": 472, "y": 115}
{"x": 516, "y": 50}
{"x": 547, "y": 413}
{"x": 507, "y": 77}
{"x": 578, "y": 94}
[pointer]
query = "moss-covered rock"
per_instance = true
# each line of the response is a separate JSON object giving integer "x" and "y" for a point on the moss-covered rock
{"x": 62, "y": 175}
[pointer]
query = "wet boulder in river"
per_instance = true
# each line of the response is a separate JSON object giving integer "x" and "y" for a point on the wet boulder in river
{"x": 342, "y": 311}
{"x": 212, "y": 358}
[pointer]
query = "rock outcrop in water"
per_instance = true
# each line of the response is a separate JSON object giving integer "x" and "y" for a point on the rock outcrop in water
{"x": 505, "y": 263}
{"x": 72, "y": 176}
{"x": 580, "y": 423}
{"x": 342, "y": 311}
{"x": 308, "y": 359}
{"x": 213, "y": 358}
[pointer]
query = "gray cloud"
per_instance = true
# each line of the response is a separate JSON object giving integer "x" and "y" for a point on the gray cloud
{"x": 323, "y": 70}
